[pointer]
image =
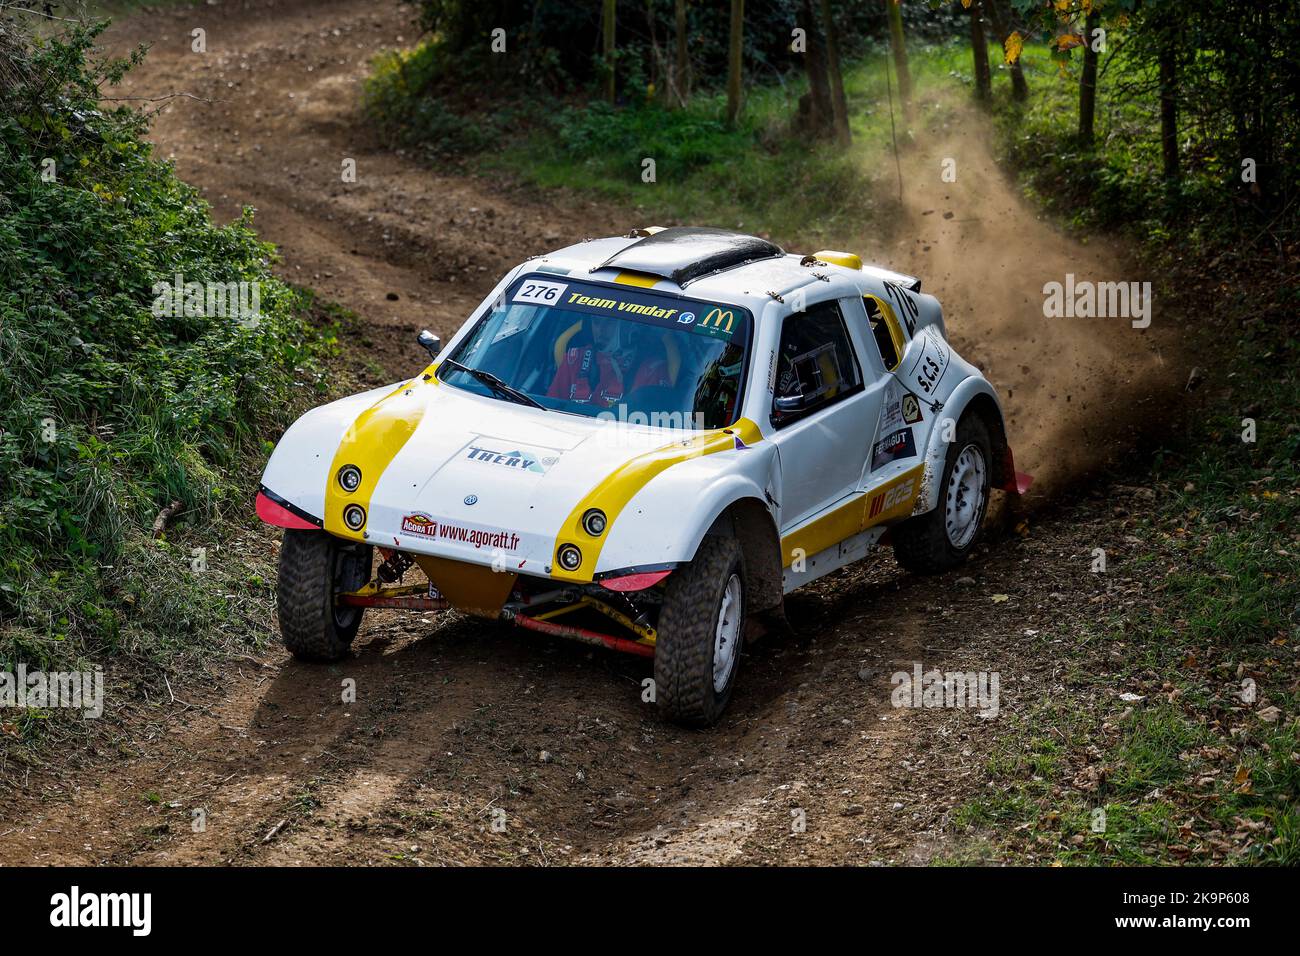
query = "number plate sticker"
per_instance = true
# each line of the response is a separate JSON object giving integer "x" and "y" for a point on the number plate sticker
{"x": 540, "y": 293}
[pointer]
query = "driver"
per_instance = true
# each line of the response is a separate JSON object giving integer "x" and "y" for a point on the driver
{"x": 603, "y": 369}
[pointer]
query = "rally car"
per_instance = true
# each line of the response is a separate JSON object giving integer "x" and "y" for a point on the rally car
{"x": 643, "y": 442}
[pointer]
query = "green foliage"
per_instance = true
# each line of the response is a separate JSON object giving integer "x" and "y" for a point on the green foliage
{"x": 602, "y": 137}
{"x": 558, "y": 42}
{"x": 109, "y": 411}
{"x": 1115, "y": 184}
{"x": 1230, "y": 74}
{"x": 397, "y": 98}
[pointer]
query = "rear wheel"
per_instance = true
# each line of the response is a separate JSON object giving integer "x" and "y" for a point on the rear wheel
{"x": 942, "y": 538}
{"x": 315, "y": 567}
{"x": 701, "y": 628}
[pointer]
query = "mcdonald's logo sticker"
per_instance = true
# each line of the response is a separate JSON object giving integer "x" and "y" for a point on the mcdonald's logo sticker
{"x": 717, "y": 317}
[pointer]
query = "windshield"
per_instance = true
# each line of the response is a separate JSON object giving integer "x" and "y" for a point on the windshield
{"x": 631, "y": 355}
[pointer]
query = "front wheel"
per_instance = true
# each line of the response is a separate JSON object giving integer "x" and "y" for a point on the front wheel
{"x": 315, "y": 567}
{"x": 942, "y": 538}
{"x": 701, "y": 628}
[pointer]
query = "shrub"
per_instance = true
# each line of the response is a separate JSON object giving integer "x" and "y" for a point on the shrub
{"x": 109, "y": 411}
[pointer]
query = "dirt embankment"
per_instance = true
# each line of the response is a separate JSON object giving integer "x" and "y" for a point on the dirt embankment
{"x": 472, "y": 743}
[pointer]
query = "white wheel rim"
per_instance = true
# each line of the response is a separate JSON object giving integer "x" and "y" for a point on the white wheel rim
{"x": 964, "y": 497}
{"x": 726, "y": 638}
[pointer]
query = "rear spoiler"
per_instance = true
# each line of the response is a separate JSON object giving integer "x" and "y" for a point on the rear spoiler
{"x": 910, "y": 283}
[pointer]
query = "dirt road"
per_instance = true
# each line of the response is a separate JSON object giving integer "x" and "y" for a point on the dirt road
{"x": 469, "y": 743}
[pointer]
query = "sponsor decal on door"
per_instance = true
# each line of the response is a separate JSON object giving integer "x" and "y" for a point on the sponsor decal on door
{"x": 899, "y": 444}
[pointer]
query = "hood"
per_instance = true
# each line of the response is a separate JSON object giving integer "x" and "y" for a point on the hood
{"x": 465, "y": 476}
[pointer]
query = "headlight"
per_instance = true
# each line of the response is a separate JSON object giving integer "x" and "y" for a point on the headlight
{"x": 593, "y": 522}
{"x": 349, "y": 478}
{"x": 354, "y": 516}
{"x": 569, "y": 557}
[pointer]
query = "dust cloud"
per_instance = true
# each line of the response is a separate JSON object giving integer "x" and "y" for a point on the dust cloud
{"x": 1078, "y": 392}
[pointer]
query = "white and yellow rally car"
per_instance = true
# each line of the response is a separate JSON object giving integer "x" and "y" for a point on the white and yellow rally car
{"x": 643, "y": 442}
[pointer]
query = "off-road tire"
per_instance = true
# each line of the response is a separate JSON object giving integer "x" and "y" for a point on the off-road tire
{"x": 687, "y": 628}
{"x": 314, "y": 566}
{"x": 921, "y": 544}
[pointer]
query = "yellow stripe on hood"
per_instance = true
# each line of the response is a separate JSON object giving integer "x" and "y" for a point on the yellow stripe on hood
{"x": 613, "y": 493}
{"x": 371, "y": 443}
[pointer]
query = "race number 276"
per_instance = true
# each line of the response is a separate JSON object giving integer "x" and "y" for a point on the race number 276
{"x": 540, "y": 293}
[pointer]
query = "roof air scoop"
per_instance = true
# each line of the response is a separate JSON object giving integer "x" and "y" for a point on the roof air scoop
{"x": 683, "y": 254}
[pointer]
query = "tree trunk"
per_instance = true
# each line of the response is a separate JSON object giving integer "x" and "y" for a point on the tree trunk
{"x": 1001, "y": 17}
{"x": 839, "y": 104}
{"x": 980, "y": 48}
{"x": 658, "y": 82}
{"x": 1088, "y": 82}
{"x": 681, "y": 81}
{"x": 899, "y": 49}
{"x": 816, "y": 114}
{"x": 734, "y": 56}
{"x": 608, "y": 48}
{"x": 1169, "y": 102}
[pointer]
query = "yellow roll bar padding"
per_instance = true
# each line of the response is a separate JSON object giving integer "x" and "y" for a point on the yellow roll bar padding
{"x": 562, "y": 343}
{"x": 891, "y": 321}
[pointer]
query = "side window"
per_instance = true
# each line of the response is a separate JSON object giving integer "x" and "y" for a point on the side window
{"x": 885, "y": 330}
{"x": 816, "y": 366}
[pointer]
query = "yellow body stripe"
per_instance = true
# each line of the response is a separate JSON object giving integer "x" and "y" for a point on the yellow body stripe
{"x": 613, "y": 493}
{"x": 637, "y": 279}
{"x": 371, "y": 443}
{"x": 896, "y": 500}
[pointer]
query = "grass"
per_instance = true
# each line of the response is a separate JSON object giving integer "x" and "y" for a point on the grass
{"x": 1200, "y": 769}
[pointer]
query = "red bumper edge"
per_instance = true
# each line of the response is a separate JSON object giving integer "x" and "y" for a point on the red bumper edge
{"x": 282, "y": 514}
{"x": 1018, "y": 482}
{"x": 635, "y": 582}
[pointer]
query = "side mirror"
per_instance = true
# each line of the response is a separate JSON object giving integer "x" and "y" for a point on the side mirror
{"x": 432, "y": 344}
{"x": 792, "y": 403}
